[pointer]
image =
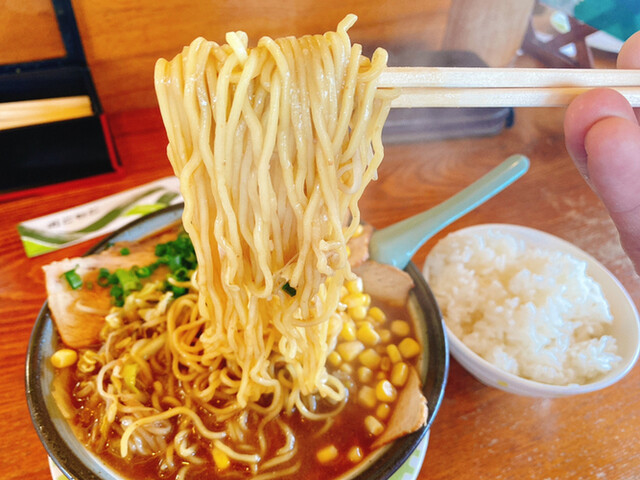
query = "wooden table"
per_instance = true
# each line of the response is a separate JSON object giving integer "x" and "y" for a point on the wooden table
{"x": 480, "y": 432}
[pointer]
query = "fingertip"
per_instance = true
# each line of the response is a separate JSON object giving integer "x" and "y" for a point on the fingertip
{"x": 613, "y": 145}
{"x": 584, "y": 112}
{"x": 629, "y": 55}
{"x": 613, "y": 165}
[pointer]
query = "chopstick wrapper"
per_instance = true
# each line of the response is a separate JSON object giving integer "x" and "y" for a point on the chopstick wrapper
{"x": 84, "y": 222}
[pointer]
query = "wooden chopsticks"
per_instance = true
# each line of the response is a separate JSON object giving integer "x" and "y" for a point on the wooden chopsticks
{"x": 502, "y": 87}
{"x": 34, "y": 112}
{"x": 418, "y": 87}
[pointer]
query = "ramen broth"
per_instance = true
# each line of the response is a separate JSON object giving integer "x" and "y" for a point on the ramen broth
{"x": 343, "y": 431}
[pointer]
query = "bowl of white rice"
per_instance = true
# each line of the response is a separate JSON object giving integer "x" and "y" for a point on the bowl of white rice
{"x": 530, "y": 313}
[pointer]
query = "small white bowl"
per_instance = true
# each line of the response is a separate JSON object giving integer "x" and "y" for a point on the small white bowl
{"x": 625, "y": 328}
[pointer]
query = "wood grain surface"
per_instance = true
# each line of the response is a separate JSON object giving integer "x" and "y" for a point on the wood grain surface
{"x": 123, "y": 39}
{"x": 28, "y": 31}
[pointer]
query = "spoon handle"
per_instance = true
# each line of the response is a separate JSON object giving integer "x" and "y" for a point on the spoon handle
{"x": 397, "y": 243}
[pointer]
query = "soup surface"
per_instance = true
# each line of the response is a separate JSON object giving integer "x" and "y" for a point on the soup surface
{"x": 375, "y": 357}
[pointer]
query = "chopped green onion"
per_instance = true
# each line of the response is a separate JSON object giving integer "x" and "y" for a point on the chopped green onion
{"x": 289, "y": 290}
{"x": 142, "y": 272}
{"x": 103, "y": 277}
{"x": 175, "y": 263}
{"x": 161, "y": 249}
{"x": 178, "y": 291}
{"x": 116, "y": 291}
{"x": 181, "y": 275}
{"x": 127, "y": 280}
{"x": 73, "y": 279}
{"x": 179, "y": 256}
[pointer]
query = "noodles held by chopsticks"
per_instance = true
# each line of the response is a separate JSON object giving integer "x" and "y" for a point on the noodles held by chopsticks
{"x": 273, "y": 146}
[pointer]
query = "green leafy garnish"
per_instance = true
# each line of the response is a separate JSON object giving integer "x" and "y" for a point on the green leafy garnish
{"x": 73, "y": 279}
{"x": 128, "y": 280}
{"x": 177, "y": 291}
{"x": 178, "y": 255}
{"x": 118, "y": 295}
{"x": 125, "y": 251}
{"x": 103, "y": 277}
{"x": 289, "y": 290}
{"x": 143, "y": 272}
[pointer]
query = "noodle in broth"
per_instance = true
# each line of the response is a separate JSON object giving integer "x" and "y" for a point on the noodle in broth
{"x": 273, "y": 146}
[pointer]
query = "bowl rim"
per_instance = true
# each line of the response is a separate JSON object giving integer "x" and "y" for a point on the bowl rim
{"x": 512, "y": 383}
{"x": 73, "y": 467}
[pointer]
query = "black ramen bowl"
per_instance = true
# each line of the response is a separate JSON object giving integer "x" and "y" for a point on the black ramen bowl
{"x": 78, "y": 463}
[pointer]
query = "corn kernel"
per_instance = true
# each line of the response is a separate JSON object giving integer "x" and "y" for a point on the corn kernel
{"x": 381, "y": 376}
{"x": 385, "y": 335}
{"x": 399, "y": 374}
{"x": 373, "y": 425}
{"x": 409, "y": 348}
{"x": 358, "y": 313}
{"x": 348, "y": 331}
{"x": 385, "y": 364}
{"x": 354, "y": 455}
{"x": 65, "y": 357}
{"x": 221, "y": 459}
{"x": 346, "y": 368}
{"x": 348, "y": 251}
{"x": 327, "y": 454}
{"x": 359, "y": 231}
{"x": 367, "y": 334}
{"x": 334, "y": 359}
{"x": 354, "y": 286}
{"x": 349, "y": 350}
{"x": 367, "y": 396}
{"x": 344, "y": 291}
{"x": 377, "y": 314}
{"x": 383, "y": 410}
{"x": 367, "y": 299}
{"x": 385, "y": 392}
{"x": 400, "y": 328}
{"x": 365, "y": 374}
{"x": 355, "y": 300}
{"x": 370, "y": 358}
{"x": 394, "y": 354}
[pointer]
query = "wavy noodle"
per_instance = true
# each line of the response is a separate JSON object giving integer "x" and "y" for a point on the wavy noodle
{"x": 273, "y": 146}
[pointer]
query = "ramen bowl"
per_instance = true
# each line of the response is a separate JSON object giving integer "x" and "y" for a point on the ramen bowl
{"x": 625, "y": 327}
{"x": 72, "y": 459}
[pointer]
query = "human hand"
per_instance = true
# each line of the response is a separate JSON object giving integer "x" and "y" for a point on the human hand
{"x": 602, "y": 136}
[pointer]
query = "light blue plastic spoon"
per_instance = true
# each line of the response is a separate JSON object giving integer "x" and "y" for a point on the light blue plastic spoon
{"x": 396, "y": 244}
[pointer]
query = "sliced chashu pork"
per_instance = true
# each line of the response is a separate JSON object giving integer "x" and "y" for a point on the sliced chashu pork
{"x": 79, "y": 314}
{"x": 409, "y": 414}
{"x": 384, "y": 282}
{"x": 391, "y": 285}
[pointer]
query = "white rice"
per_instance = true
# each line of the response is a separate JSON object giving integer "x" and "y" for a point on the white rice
{"x": 532, "y": 312}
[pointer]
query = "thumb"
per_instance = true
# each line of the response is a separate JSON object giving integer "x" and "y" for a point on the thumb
{"x": 612, "y": 146}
